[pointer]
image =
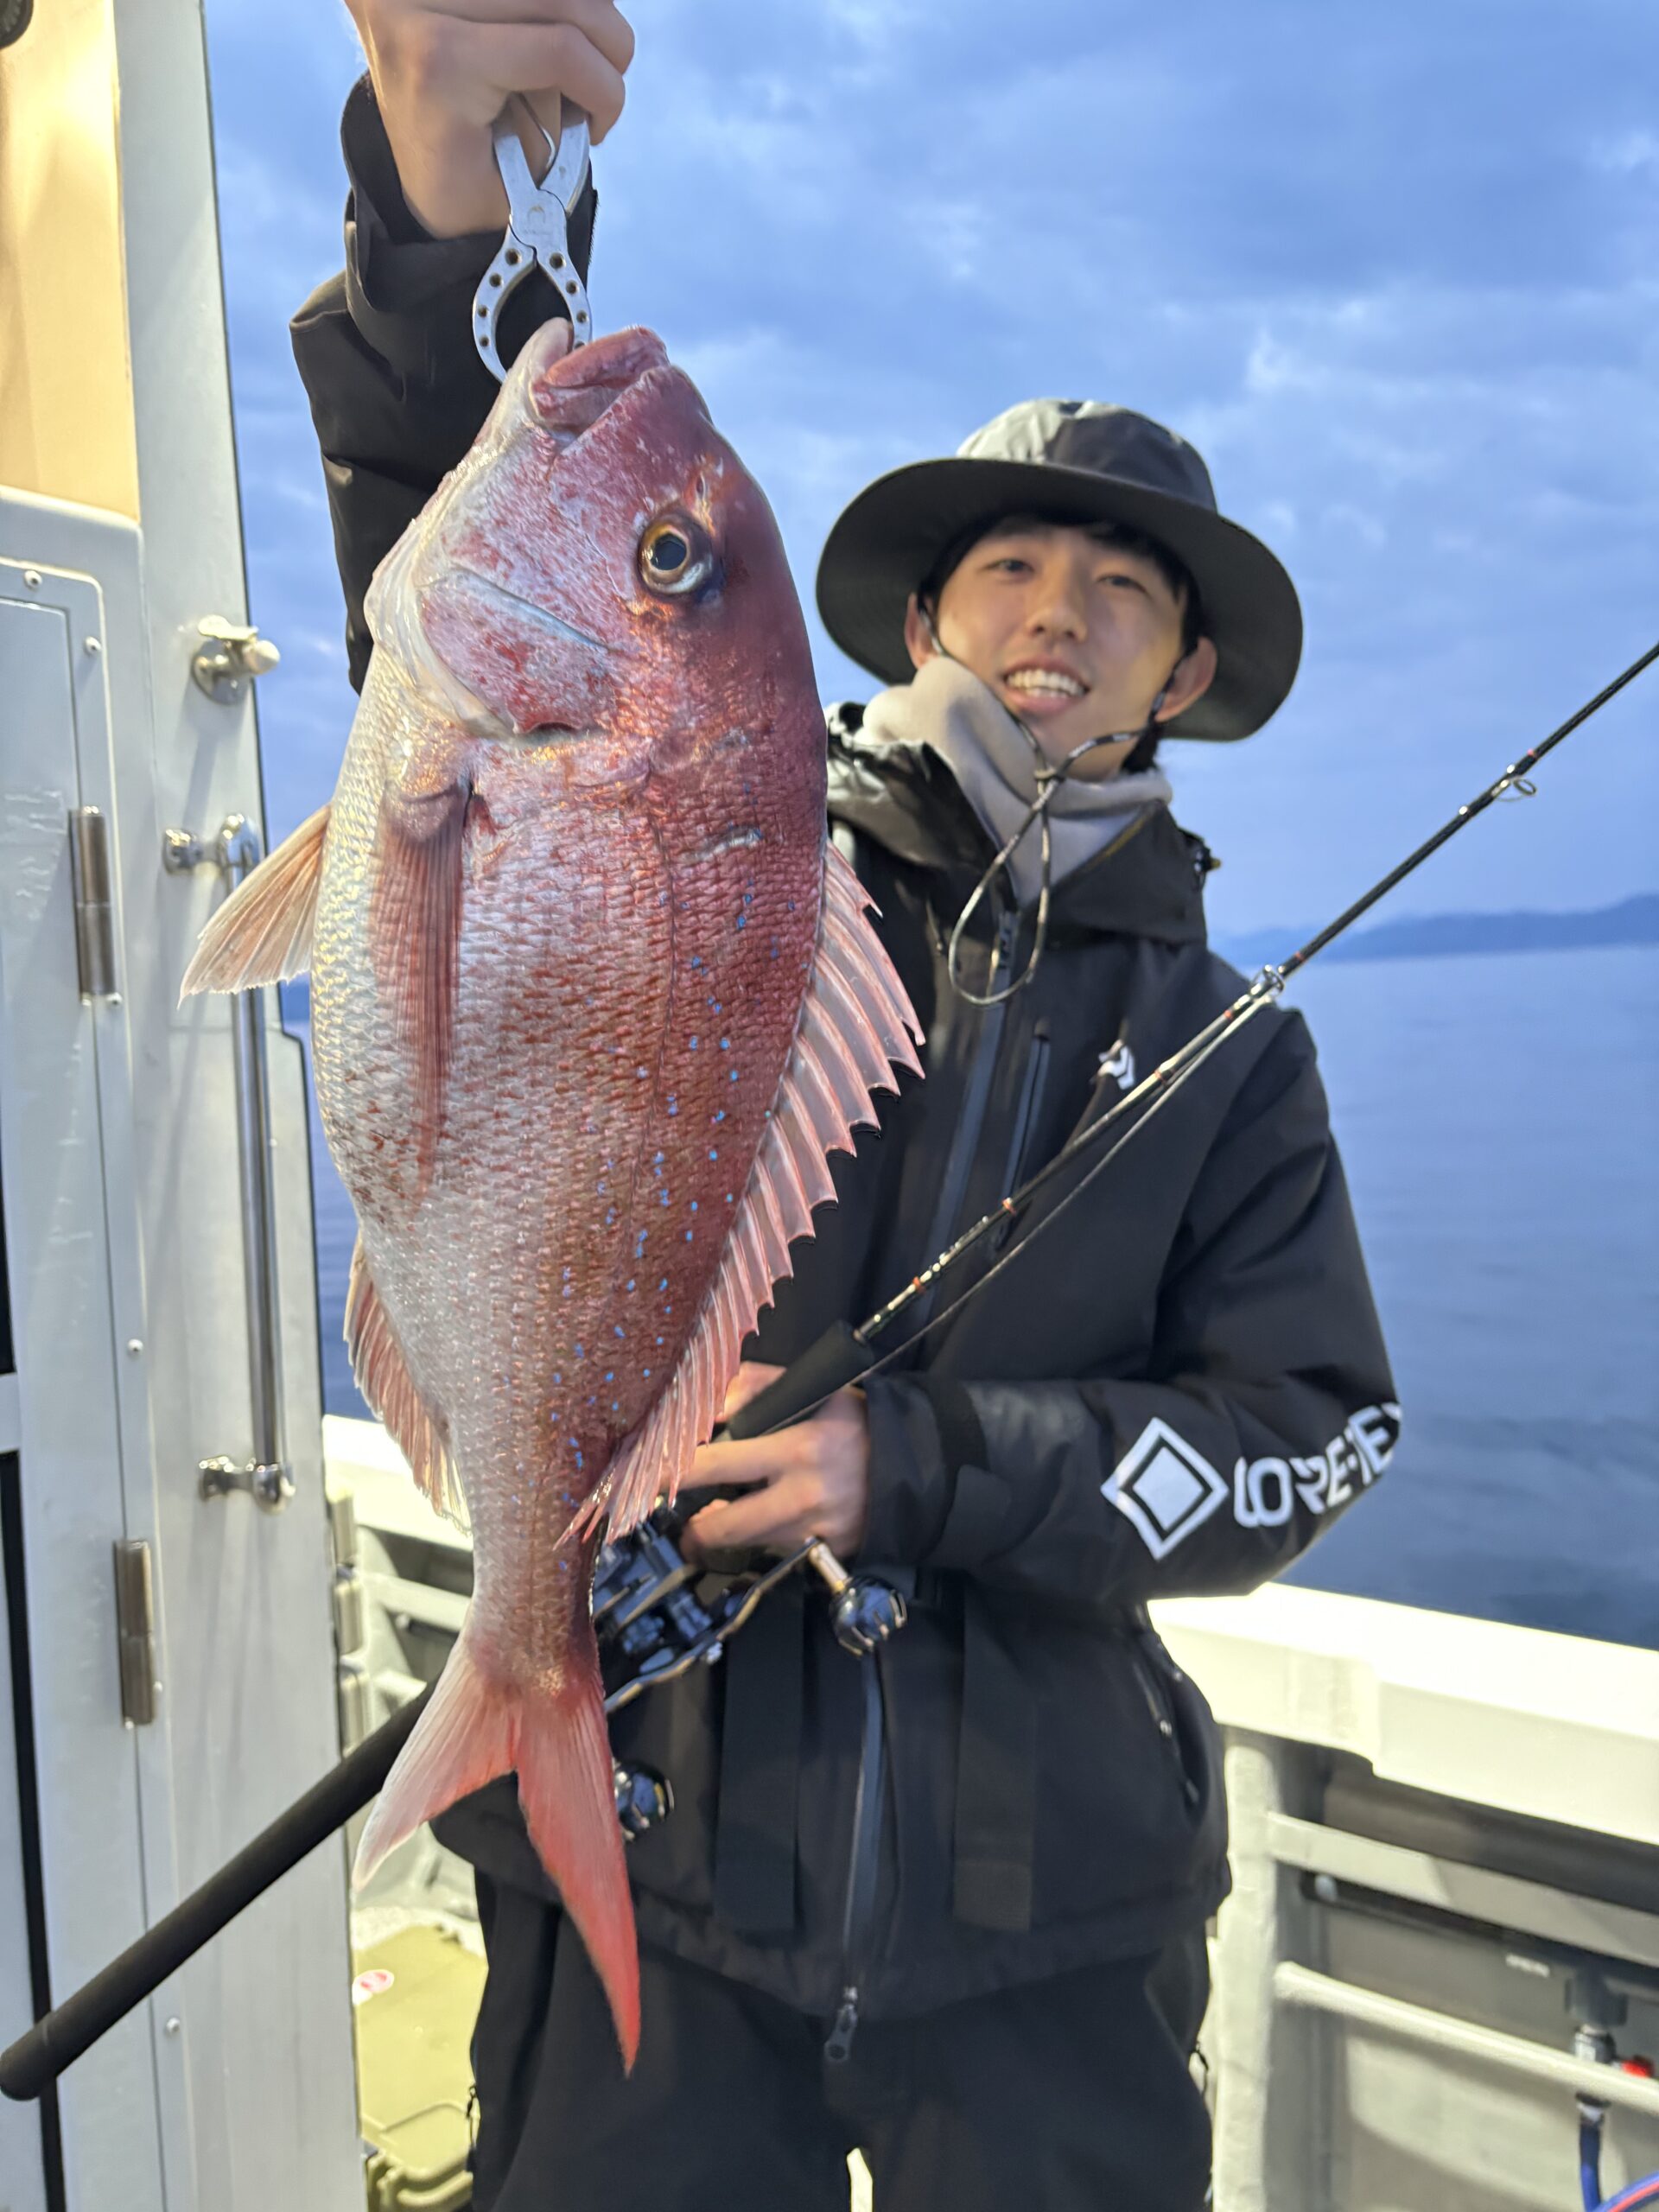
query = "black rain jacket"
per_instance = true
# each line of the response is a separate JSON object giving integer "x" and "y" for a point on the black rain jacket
{"x": 1170, "y": 1391}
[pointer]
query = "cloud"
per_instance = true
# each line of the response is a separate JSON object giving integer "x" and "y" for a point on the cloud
{"x": 1394, "y": 273}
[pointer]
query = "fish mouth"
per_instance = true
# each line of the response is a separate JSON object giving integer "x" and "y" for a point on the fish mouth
{"x": 570, "y": 388}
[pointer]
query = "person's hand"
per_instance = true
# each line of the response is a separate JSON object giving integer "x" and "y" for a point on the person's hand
{"x": 810, "y": 1480}
{"x": 444, "y": 70}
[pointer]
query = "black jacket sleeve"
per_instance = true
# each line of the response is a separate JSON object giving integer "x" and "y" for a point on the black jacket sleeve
{"x": 385, "y": 353}
{"x": 1267, "y": 1408}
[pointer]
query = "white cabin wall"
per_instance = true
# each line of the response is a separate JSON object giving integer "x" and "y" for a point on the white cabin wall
{"x": 117, "y": 396}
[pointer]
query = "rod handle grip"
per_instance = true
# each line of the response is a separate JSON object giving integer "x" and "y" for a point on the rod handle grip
{"x": 838, "y": 1357}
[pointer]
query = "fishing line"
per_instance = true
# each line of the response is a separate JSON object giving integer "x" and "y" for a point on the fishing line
{"x": 1154, "y": 1091}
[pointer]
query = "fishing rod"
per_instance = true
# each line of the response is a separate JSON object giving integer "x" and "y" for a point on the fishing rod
{"x": 855, "y": 1360}
{"x": 644, "y": 1605}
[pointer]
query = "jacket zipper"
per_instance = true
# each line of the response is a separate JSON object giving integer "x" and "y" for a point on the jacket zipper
{"x": 965, "y": 1144}
{"x": 862, "y": 1867}
{"x": 1025, "y": 1120}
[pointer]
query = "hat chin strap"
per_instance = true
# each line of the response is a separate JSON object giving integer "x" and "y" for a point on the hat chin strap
{"x": 1049, "y": 777}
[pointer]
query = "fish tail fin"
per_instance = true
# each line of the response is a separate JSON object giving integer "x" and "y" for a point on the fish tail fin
{"x": 566, "y": 1789}
{"x": 480, "y": 1725}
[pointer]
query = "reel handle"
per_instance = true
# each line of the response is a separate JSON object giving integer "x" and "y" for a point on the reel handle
{"x": 865, "y": 1612}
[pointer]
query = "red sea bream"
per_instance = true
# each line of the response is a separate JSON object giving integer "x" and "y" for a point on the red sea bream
{"x": 592, "y": 997}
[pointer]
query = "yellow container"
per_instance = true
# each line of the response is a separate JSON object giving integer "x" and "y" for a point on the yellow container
{"x": 415, "y": 1997}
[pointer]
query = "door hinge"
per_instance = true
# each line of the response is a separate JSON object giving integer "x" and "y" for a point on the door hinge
{"x": 134, "y": 1623}
{"x": 89, "y": 872}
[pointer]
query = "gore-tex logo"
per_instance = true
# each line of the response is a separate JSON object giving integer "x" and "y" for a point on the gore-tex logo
{"x": 1165, "y": 1488}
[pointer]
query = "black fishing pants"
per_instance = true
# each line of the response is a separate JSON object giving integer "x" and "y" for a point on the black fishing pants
{"x": 1071, "y": 2095}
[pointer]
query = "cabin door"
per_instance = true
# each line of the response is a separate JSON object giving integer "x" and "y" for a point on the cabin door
{"x": 166, "y": 1649}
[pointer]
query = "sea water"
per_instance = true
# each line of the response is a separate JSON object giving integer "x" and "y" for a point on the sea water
{"x": 1497, "y": 1123}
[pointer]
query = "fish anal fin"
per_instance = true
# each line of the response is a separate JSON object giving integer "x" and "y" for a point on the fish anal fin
{"x": 381, "y": 1374}
{"x": 262, "y": 934}
{"x": 855, "y": 1016}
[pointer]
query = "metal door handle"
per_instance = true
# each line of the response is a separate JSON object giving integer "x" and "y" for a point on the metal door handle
{"x": 236, "y": 852}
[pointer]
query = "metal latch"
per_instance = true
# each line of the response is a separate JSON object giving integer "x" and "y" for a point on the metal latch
{"x": 231, "y": 655}
{"x": 135, "y": 1622}
{"x": 89, "y": 874}
{"x": 267, "y": 1482}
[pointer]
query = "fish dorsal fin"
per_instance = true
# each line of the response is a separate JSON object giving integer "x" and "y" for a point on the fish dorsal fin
{"x": 382, "y": 1377}
{"x": 262, "y": 934}
{"x": 856, "y": 1025}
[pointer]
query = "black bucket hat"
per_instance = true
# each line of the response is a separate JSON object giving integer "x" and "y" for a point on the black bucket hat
{"x": 1080, "y": 461}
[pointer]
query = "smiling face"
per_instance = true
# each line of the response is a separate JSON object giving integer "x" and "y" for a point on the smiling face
{"x": 1076, "y": 635}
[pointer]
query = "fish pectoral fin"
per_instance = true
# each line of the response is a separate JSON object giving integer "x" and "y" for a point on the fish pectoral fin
{"x": 382, "y": 1374}
{"x": 415, "y": 913}
{"x": 262, "y": 934}
{"x": 856, "y": 1025}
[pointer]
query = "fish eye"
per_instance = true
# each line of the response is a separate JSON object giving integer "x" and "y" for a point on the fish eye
{"x": 675, "y": 557}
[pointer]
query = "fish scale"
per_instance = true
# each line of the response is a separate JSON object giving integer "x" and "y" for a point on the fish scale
{"x": 592, "y": 998}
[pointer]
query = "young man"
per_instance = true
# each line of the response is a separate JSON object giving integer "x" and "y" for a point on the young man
{"x": 947, "y": 1906}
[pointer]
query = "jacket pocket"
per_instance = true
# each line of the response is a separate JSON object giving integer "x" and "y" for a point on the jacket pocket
{"x": 1116, "y": 1820}
{"x": 1198, "y": 1741}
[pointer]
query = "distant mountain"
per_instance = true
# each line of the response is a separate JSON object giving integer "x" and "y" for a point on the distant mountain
{"x": 1422, "y": 936}
{"x": 1426, "y": 937}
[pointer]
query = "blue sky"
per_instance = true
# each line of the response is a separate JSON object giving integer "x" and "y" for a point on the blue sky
{"x": 1394, "y": 271}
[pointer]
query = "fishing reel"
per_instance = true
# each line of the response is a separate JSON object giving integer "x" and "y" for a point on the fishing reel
{"x": 658, "y": 1614}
